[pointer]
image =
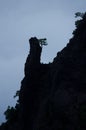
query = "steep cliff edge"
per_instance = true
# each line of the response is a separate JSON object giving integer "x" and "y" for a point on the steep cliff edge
{"x": 32, "y": 85}
{"x": 53, "y": 96}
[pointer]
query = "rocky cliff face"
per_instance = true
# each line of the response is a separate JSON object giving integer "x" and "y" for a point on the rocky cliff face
{"x": 53, "y": 96}
{"x": 32, "y": 84}
{"x": 31, "y": 92}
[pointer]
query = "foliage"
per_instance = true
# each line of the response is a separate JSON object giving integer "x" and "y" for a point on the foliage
{"x": 10, "y": 113}
{"x": 43, "y": 41}
{"x": 79, "y": 22}
{"x": 81, "y": 15}
{"x": 17, "y": 93}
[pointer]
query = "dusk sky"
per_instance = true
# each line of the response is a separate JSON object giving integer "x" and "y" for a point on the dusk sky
{"x": 22, "y": 19}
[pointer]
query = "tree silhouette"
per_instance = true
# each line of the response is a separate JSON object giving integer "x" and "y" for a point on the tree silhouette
{"x": 43, "y": 41}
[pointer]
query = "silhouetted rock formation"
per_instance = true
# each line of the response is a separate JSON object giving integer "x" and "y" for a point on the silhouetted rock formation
{"x": 30, "y": 93}
{"x": 53, "y": 96}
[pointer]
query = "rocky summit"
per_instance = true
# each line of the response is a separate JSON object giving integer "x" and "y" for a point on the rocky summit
{"x": 53, "y": 96}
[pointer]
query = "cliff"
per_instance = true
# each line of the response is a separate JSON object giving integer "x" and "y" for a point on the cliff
{"x": 31, "y": 92}
{"x": 53, "y": 96}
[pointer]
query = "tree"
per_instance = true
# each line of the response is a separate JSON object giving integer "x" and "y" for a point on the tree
{"x": 43, "y": 41}
{"x": 79, "y": 14}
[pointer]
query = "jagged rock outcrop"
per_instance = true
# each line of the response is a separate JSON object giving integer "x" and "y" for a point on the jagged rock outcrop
{"x": 53, "y": 96}
{"x": 57, "y": 97}
{"x": 31, "y": 86}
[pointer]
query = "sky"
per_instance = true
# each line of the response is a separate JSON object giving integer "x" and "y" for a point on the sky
{"x": 19, "y": 21}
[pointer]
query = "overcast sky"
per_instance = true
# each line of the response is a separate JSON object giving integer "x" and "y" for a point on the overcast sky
{"x": 22, "y": 19}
